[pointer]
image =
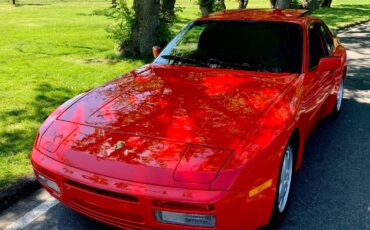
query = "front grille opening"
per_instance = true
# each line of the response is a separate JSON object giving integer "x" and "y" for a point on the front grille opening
{"x": 112, "y": 215}
{"x": 102, "y": 192}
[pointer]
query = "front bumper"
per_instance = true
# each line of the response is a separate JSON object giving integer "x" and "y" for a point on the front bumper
{"x": 131, "y": 205}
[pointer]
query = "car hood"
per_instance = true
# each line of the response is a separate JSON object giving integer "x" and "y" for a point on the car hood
{"x": 194, "y": 105}
{"x": 145, "y": 121}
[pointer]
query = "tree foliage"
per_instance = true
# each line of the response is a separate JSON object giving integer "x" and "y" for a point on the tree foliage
{"x": 123, "y": 23}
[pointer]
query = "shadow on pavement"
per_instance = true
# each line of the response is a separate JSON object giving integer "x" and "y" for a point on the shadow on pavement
{"x": 61, "y": 217}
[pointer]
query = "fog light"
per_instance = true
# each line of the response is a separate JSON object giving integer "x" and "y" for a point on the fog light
{"x": 197, "y": 220}
{"x": 51, "y": 184}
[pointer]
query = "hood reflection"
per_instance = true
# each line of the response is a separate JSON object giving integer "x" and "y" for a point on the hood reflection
{"x": 182, "y": 104}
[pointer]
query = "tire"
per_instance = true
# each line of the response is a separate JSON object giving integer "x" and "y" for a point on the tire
{"x": 339, "y": 102}
{"x": 284, "y": 187}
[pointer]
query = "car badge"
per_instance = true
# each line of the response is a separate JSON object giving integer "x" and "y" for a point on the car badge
{"x": 119, "y": 145}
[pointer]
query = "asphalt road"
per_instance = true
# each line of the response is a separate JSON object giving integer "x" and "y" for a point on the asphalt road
{"x": 332, "y": 189}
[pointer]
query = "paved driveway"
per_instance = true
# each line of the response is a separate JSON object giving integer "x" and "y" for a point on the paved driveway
{"x": 332, "y": 189}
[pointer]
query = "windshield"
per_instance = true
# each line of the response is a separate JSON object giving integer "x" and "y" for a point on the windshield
{"x": 245, "y": 45}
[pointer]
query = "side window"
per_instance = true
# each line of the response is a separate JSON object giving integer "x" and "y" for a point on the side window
{"x": 316, "y": 45}
{"x": 328, "y": 39}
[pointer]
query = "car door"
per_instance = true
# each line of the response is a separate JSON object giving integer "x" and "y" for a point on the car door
{"x": 316, "y": 83}
{"x": 329, "y": 79}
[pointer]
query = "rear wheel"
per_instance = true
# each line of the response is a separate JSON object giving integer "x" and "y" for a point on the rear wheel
{"x": 284, "y": 186}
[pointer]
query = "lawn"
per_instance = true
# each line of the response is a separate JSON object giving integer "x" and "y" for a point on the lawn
{"x": 52, "y": 50}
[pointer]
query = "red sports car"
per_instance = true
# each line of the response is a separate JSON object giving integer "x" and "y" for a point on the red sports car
{"x": 207, "y": 136}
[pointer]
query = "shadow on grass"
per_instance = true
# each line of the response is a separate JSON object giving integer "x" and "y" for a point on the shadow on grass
{"x": 47, "y": 99}
{"x": 344, "y": 14}
{"x": 114, "y": 57}
{"x": 31, "y": 4}
{"x": 18, "y": 140}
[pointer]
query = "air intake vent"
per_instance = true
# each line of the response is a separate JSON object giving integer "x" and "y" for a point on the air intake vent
{"x": 102, "y": 192}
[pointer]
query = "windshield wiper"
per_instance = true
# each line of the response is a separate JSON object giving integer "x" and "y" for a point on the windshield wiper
{"x": 183, "y": 59}
{"x": 244, "y": 65}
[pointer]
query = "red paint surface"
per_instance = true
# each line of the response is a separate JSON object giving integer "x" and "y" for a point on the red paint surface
{"x": 184, "y": 134}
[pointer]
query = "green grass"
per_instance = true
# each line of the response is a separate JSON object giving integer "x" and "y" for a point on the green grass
{"x": 48, "y": 53}
{"x": 52, "y": 50}
{"x": 345, "y": 12}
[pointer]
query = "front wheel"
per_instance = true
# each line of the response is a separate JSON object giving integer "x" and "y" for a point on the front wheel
{"x": 339, "y": 101}
{"x": 284, "y": 186}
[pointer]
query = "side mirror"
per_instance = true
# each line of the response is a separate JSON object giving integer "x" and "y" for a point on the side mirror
{"x": 156, "y": 51}
{"x": 329, "y": 64}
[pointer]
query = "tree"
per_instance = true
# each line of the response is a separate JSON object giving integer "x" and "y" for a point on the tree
{"x": 221, "y": 4}
{"x": 326, "y": 3}
{"x": 136, "y": 29}
{"x": 243, "y": 4}
{"x": 311, "y": 5}
{"x": 206, "y": 6}
{"x": 168, "y": 9}
{"x": 13, "y": 1}
{"x": 146, "y": 23}
{"x": 280, "y": 4}
{"x": 114, "y": 3}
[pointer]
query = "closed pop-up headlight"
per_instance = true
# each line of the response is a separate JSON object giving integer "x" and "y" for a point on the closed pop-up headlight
{"x": 52, "y": 131}
{"x": 55, "y": 135}
{"x": 200, "y": 164}
{"x": 58, "y": 111}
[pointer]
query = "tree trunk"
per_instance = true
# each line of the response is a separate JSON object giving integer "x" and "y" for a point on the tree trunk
{"x": 243, "y": 4}
{"x": 147, "y": 20}
{"x": 282, "y": 4}
{"x": 311, "y": 5}
{"x": 273, "y": 3}
{"x": 168, "y": 9}
{"x": 114, "y": 3}
{"x": 13, "y": 1}
{"x": 326, "y": 3}
{"x": 206, "y": 6}
{"x": 222, "y": 4}
{"x": 204, "y": 10}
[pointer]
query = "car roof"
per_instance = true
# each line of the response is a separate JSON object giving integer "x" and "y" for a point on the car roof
{"x": 291, "y": 15}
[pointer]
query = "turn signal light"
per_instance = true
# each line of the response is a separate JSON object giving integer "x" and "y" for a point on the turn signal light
{"x": 195, "y": 220}
{"x": 49, "y": 183}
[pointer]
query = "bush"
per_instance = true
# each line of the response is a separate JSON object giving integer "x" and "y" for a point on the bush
{"x": 123, "y": 22}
